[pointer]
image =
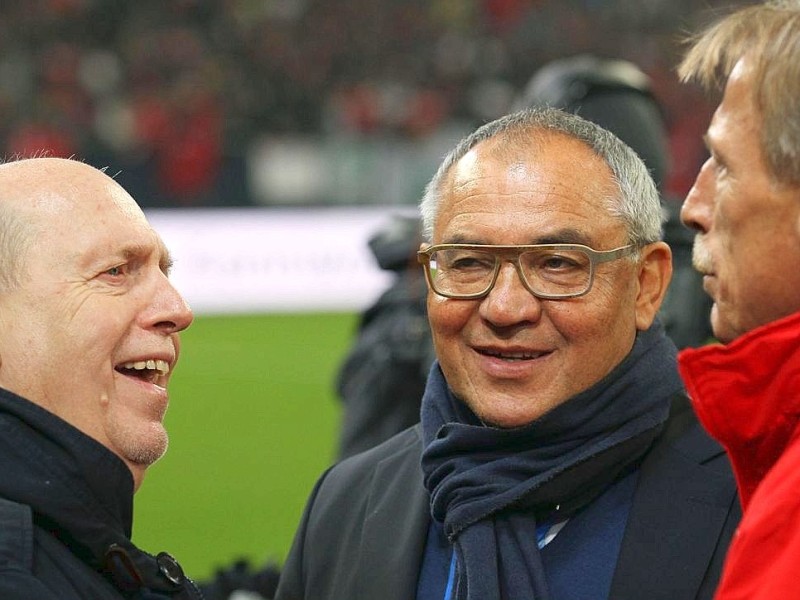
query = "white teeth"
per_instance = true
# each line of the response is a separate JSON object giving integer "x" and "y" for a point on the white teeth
{"x": 154, "y": 365}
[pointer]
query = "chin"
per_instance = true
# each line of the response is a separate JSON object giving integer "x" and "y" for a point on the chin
{"x": 721, "y": 329}
{"x": 143, "y": 448}
{"x": 153, "y": 452}
{"x": 515, "y": 415}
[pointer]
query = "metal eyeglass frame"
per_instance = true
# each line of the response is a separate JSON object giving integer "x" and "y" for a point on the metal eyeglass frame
{"x": 512, "y": 254}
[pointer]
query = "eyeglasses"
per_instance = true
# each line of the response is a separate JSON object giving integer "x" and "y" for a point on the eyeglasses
{"x": 548, "y": 271}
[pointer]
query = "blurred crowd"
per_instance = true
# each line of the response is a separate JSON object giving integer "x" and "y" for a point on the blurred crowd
{"x": 175, "y": 96}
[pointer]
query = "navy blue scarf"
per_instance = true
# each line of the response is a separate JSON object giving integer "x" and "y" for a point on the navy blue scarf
{"x": 489, "y": 486}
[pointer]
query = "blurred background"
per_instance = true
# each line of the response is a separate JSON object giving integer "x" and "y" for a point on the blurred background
{"x": 289, "y": 113}
{"x": 275, "y": 102}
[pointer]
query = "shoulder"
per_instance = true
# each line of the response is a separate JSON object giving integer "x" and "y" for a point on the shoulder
{"x": 370, "y": 507}
{"x": 686, "y": 460}
{"x": 380, "y": 483}
{"x": 683, "y": 515}
{"x": 687, "y": 479}
{"x": 399, "y": 455}
{"x": 406, "y": 443}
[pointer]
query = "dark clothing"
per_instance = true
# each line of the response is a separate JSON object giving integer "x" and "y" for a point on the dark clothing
{"x": 578, "y": 564}
{"x": 491, "y": 487}
{"x": 66, "y": 505}
{"x": 383, "y": 377}
{"x": 364, "y": 530}
{"x": 581, "y": 560}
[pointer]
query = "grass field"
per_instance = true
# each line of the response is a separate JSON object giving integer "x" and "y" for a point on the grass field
{"x": 253, "y": 420}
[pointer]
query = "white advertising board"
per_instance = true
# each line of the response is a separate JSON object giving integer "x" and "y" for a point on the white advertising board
{"x": 253, "y": 260}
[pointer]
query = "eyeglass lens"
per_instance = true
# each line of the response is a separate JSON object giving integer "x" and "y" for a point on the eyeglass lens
{"x": 547, "y": 271}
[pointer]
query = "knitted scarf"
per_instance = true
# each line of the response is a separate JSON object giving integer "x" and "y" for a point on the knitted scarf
{"x": 488, "y": 486}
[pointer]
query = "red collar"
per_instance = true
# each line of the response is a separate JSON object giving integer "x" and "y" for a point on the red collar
{"x": 747, "y": 395}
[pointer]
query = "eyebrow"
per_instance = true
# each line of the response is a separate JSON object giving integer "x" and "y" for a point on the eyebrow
{"x": 134, "y": 251}
{"x": 566, "y": 235}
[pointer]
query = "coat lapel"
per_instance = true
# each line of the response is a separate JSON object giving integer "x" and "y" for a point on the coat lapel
{"x": 683, "y": 509}
{"x": 395, "y": 529}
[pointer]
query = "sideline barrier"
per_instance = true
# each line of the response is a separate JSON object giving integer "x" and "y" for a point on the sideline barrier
{"x": 252, "y": 260}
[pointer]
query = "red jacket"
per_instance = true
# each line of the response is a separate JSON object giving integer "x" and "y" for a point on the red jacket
{"x": 747, "y": 395}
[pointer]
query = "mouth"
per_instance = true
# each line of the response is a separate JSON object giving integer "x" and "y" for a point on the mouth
{"x": 511, "y": 356}
{"x": 702, "y": 260}
{"x": 151, "y": 370}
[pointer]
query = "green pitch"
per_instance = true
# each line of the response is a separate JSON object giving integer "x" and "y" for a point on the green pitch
{"x": 253, "y": 420}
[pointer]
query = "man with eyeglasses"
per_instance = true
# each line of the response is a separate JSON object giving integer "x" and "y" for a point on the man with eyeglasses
{"x": 557, "y": 457}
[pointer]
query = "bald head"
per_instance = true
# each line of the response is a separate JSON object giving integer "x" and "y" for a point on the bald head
{"x": 89, "y": 320}
{"x": 41, "y": 193}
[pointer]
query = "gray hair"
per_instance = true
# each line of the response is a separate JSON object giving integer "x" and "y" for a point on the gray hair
{"x": 770, "y": 34}
{"x": 637, "y": 204}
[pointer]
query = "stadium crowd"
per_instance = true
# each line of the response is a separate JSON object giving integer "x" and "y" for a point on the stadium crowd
{"x": 175, "y": 97}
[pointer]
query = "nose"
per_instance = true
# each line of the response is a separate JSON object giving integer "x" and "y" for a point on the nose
{"x": 509, "y": 302}
{"x": 697, "y": 209}
{"x": 170, "y": 311}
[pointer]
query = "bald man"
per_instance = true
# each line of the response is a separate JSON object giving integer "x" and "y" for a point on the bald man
{"x": 89, "y": 325}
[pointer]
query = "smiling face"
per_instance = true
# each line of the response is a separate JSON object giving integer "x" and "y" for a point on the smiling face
{"x": 510, "y": 356}
{"x": 90, "y": 333}
{"x": 748, "y": 226}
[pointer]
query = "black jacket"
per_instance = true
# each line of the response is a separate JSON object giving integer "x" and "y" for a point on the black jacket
{"x": 364, "y": 529}
{"x": 382, "y": 380}
{"x": 66, "y": 507}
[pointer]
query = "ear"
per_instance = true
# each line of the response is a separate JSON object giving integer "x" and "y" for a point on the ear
{"x": 655, "y": 273}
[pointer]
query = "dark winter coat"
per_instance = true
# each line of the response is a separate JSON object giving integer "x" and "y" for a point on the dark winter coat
{"x": 364, "y": 530}
{"x": 66, "y": 506}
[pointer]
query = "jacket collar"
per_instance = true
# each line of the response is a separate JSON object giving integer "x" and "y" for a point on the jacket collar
{"x": 746, "y": 395}
{"x": 73, "y": 484}
{"x": 82, "y": 493}
{"x": 683, "y": 487}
